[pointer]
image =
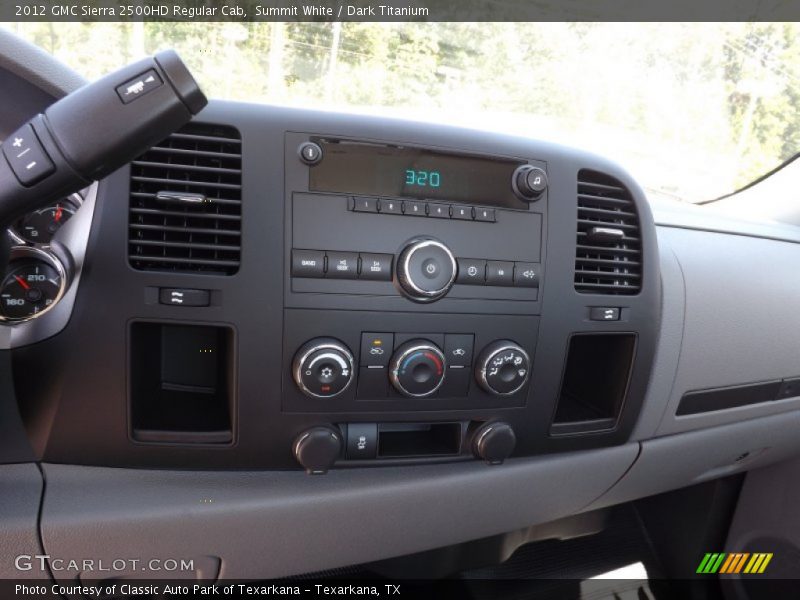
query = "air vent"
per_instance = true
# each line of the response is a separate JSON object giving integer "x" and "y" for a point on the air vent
{"x": 186, "y": 203}
{"x": 608, "y": 256}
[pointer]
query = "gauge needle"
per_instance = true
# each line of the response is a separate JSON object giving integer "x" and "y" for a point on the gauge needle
{"x": 22, "y": 282}
{"x": 58, "y": 214}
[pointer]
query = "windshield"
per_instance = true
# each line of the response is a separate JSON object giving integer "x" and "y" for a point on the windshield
{"x": 694, "y": 111}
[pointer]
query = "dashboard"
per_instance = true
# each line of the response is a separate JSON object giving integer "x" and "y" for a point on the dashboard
{"x": 288, "y": 279}
{"x": 458, "y": 333}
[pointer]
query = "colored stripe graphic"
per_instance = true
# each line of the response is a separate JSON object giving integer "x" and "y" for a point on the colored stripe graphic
{"x": 767, "y": 558}
{"x": 734, "y": 562}
{"x": 737, "y": 568}
{"x": 728, "y": 562}
{"x": 711, "y": 562}
{"x": 702, "y": 567}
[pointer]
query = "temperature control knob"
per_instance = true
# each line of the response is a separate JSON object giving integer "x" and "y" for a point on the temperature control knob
{"x": 426, "y": 270}
{"x": 529, "y": 182}
{"x": 503, "y": 368}
{"x": 417, "y": 369}
{"x": 323, "y": 368}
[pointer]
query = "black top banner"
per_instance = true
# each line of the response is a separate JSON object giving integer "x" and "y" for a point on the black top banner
{"x": 398, "y": 11}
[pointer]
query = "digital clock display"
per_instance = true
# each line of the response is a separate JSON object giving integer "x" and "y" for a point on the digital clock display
{"x": 398, "y": 171}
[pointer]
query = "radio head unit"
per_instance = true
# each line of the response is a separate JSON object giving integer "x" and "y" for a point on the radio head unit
{"x": 348, "y": 167}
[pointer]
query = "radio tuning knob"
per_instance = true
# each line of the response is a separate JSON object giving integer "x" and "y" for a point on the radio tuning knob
{"x": 316, "y": 449}
{"x": 494, "y": 442}
{"x": 529, "y": 183}
{"x": 503, "y": 368}
{"x": 323, "y": 368}
{"x": 426, "y": 270}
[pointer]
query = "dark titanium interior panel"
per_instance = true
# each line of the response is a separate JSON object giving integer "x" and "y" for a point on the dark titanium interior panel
{"x": 80, "y": 411}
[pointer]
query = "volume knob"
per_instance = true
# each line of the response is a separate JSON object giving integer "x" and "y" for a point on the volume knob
{"x": 426, "y": 270}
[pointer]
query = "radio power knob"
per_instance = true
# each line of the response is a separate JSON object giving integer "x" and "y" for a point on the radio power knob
{"x": 503, "y": 368}
{"x": 529, "y": 183}
{"x": 426, "y": 270}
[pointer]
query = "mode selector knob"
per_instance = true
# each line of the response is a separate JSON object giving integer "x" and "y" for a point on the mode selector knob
{"x": 529, "y": 182}
{"x": 323, "y": 368}
{"x": 417, "y": 368}
{"x": 503, "y": 368}
{"x": 426, "y": 270}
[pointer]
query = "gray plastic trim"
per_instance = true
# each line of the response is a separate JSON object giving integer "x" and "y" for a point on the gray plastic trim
{"x": 670, "y": 338}
{"x": 21, "y": 487}
{"x": 276, "y": 524}
{"x": 739, "y": 327}
{"x": 685, "y": 459}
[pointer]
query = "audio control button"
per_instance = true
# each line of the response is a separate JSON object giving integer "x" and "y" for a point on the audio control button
{"x": 499, "y": 273}
{"x": 471, "y": 271}
{"x": 342, "y": 265}
{"x": 391, "y": 207}
{"x": 308, "y": 263}
{"x": 463, "y": 213}
{"x": 365, "y": 204}
{"x": 376, "y": 267}
{"x": 415, "y": 208}
{"x": 485, "y": 214}
{"x": 526, "y": 274}
{"x": 309, "y": 152}
{"x": 439, "y": 211}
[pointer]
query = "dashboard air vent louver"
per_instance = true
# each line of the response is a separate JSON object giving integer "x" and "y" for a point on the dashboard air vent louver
{"x": 185, "y": 202}
{"x": 608, "y": 255}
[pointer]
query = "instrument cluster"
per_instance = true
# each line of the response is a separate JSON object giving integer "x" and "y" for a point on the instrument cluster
{"x": 36, "y": 277}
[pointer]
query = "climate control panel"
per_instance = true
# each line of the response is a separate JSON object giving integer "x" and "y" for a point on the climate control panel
{"x": 425, "y": 362}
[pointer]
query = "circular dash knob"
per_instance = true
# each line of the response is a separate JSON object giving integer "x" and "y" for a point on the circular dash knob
{"x": 503, "y": 368}
{"x": 316, "y": 449}
{"x": 494, "y": 442}
{"x": 529, "y": 182}
{"x": 417, "y": 369}
{"x": 323, "y": 368}
{"x": 426, "y": 270}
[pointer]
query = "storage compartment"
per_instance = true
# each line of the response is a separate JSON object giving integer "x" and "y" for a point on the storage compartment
{"x": 418, "y": 439}
{"x": 181, "y": 383}
{"x": 595, "y": 382}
